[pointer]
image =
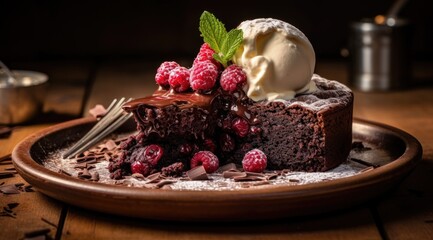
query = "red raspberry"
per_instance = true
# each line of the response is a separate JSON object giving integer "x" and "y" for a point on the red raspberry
{"x": 209, "y": 145}
{"x": 203, "y": 76}
{"x": 179, "y": 79}
{"x": 140, "y": 167}
{"x": 206, "y": 54}
{"x": 152, "y": 154}
{"x": 232, "y": 77}
{"x": 254, "y": 161}
{"x": 209, "y": 161}
{"x": 240, "y": 126}
{"x": 163, "y": 72}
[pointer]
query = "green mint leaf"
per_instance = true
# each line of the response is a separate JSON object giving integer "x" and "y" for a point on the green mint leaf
{"x": 215, "y": 34}
{"x": 217, "y": 57}
{"x": 232, "y": 43}
{"x": 212, "y": 30}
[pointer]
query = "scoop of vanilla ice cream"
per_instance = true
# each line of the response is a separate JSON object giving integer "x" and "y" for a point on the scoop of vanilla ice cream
{"x": 278, "y": 59}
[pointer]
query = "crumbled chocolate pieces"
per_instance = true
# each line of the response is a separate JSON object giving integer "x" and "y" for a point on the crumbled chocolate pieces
{"x": 197, "y": 173}
{"x": 8, "y": 210}
{"x": 15, "y": 188}
{"x": 5, "y": 131}
{"x": 6, "y": 159}
{"x": 358, "y": 146}
{"x": 365, "y": 163}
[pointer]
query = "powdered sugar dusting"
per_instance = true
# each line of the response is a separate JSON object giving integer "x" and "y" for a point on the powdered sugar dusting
{"x": 330, "y": 94}
{"x": 216, "y": 182}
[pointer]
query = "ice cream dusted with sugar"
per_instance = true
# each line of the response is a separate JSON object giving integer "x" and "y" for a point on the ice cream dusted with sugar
{"x": 278, "y": 59}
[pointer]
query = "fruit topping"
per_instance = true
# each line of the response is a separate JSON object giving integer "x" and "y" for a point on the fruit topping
{"x": 207, "y": 159}
{"x": 209, "y": 145}
{"x": 163, "y": 72}
{"x": 203, "y": 76}
{"x": 232, "y": 78}
{"x": 240, "y": 126}
{"x": 153, "y": 153}
{"x": 140, "y": 167}
{"x": 179, "y": 79}
{"x": 206, "y": 54}
{"x": 254, "y": 161}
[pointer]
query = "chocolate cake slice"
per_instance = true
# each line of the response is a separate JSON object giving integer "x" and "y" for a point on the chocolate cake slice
{"x": 255, "y": 102}
{"x": 311, "y": 132}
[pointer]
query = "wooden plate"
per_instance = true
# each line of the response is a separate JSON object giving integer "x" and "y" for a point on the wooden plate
{"x": 400, "y": 150}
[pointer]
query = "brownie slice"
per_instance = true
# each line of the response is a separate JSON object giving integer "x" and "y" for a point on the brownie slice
{"x": 311, "y": 132}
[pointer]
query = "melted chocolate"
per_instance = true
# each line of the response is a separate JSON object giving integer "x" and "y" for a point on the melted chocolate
{"x": 162, "y": 98}
{"x": 205, "y": 104}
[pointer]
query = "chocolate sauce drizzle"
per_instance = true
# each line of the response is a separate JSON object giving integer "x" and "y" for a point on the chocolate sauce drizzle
{"x": 162, "y": 98}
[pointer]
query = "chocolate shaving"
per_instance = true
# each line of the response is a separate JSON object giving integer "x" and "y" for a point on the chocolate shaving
{"x": 81, "y": 165}
{"x": 85, "y": 174}
{"x": 6, "y": 159}
{"x": 271, "y": 176}
{"x": 248, "y": 178}
{"x": 12, "y": 205}
{"x": 294, "y": 180}
{"x": 110, "y": 145}
{"x": 38, "y": 232}
{"x": 7, "y": 174}
{"x": 197, "y": 173}
{"x": 64, "y": 172}
{"x": 138, "y": 176}
{"x": 98, "y": 111}
{"x": 233, "y": 174}
{"x": 165, "y": 182}
{"x": 367, "y": 169}
{"x": 48, "y": 222}
{"x": 368, "y": 164}
{"x": 227, "y": 167}
{"x": 94, "y": 176}
{"x": 9, "y": 189}
{"x": 5, "y": 131}
{"x": 28, "y": 188}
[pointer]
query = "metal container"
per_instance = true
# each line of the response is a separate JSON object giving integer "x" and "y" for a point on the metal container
{"x": 22, "y": 101}
{"x": 380, "y": 55}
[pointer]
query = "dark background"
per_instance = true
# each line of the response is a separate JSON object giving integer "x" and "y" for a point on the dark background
{"x": 159, "y": 30}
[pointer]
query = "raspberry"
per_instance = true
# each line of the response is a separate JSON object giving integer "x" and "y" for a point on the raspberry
{"x": 203, "y": 76}
{"x": 206, "y": 54}
{"x": 209, "y": 161}
{"x": 232, "y": 77}
{"x": 140, "y": 167}
{"x": 179, "y": 79}
{"x": 163, "y": 72}
{"x": 153, "y": 153}
{"x": 240, "y": 126}
{"x": 254, "y": 161}
{"x": 209, "y": 145}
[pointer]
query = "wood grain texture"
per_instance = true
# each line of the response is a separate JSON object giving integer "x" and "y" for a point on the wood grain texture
{"x": 354, "y": 224}
{"x": 33, "y": 206}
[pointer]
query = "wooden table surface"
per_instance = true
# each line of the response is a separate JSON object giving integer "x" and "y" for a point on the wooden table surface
{"x": 75, "y": 86}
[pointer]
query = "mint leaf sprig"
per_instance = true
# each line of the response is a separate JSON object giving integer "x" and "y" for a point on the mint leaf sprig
{"x": 222, "y": 42}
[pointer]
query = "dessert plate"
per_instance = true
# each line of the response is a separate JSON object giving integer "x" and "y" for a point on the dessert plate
{"x": 397, "y": 154}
